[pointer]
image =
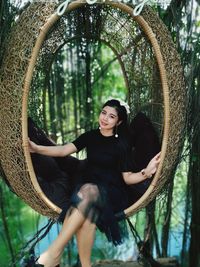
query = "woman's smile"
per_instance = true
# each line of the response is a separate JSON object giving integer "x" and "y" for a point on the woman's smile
{"x": 104, "y": 123}
{"x": 108, "y": 118}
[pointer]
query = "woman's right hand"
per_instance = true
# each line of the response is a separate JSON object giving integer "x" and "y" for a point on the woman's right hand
{"x": 33, "y": 147}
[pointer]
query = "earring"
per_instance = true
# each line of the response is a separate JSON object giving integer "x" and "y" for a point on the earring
{"x": 116, "y": 134}
{"x": 99, "y": 127}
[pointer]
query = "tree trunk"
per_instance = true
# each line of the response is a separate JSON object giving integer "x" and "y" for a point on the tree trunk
{"x": 6, "y": 228}
{"x": 167, "y": 218}
{"x": 51, "y": 96}
{"x": 194, "y": 171}
{"x": 59, "y": 89}
{"x": 88, "y": 88}
{"x": 195, "y": 189}
{"x": 186, "y": 223}
{"x": 151, "y": 232}
{"x": 6, "y": 19}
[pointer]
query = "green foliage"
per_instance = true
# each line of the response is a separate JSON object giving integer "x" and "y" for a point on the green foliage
{"x": 63, "y": 102}
{"x": 20, "y": 219}
{"x": 66, "y": 99}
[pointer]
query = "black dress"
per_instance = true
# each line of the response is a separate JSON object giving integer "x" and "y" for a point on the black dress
{"x": 101, "y": 190}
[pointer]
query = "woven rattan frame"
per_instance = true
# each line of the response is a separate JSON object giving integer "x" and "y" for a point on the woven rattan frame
{"x": 17, "y": 71}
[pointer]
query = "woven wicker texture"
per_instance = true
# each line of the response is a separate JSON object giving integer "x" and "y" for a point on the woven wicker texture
{"x": 152, "y": 73}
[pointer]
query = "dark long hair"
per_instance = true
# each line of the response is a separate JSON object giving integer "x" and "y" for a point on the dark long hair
{"x": 123, "y": 139}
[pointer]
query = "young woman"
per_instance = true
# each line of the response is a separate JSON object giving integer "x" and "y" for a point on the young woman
{"x": 101, "y": 191}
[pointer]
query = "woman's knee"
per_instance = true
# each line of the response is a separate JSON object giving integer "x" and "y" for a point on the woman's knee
{"x": 89, "y": 192}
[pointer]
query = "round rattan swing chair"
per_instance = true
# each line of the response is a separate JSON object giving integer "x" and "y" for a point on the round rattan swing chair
{"x": 38, "y": 35}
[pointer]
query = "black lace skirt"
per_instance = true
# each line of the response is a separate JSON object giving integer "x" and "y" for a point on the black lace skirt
{"x": 100, "y": 205}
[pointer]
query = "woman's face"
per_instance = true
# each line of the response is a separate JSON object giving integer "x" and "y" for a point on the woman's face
{"x": 108, "y": 118}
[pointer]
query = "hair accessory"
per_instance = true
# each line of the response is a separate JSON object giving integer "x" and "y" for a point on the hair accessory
{"x": 122, "y": 103}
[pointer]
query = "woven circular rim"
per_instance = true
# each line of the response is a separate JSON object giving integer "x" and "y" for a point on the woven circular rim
{"x": 29, "y": 75}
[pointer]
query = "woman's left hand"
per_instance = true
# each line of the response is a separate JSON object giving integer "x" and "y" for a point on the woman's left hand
{"x": 153, "y": 165}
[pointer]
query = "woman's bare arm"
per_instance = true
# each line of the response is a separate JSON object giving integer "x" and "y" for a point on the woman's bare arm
{"x": 134, "y": 178}
{"x": 52, "y": 151}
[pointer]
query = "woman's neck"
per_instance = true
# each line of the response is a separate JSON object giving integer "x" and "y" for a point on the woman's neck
{"x": 106, "y": 132}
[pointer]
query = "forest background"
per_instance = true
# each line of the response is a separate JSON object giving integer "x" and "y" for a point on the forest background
{"x": 172, "y": 222}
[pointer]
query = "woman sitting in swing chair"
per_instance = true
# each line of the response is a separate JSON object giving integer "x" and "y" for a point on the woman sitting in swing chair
{"x": 102, "y": 188}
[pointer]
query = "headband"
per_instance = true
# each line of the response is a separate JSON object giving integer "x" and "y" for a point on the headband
{"x": 122, "y": 103}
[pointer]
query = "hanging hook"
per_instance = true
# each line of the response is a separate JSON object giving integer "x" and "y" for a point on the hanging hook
{"x": 62, "y": 8}
{"x": 90, "y": 2}
{"x": 137, "y": 10}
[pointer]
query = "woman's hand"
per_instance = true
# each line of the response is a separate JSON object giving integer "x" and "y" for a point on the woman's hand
{"x": 33, "y": 147}
{"x": 137, "y": 177}
{"x": 152, "y": 165}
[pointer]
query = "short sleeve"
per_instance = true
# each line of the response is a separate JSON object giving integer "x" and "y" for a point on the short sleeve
{"x": 127, "y": 165}
{"x": 126, "y": 161}
{"x": 82, "y": 141}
